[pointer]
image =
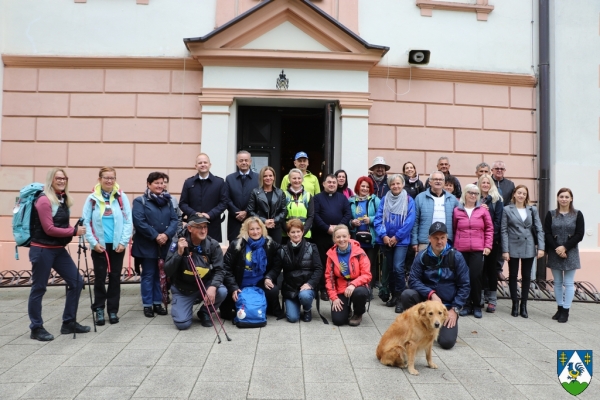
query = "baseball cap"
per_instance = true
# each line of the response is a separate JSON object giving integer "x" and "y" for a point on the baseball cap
{"x": 437, "y": 227}
{"x": 197, "y": 220}
{"x": 300, "y": 154}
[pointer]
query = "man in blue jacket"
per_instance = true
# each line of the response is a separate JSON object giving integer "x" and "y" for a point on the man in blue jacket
{"x": 205, "y": 195}
{"x": 239, "y": 188}
{"x": 433, "y": 205}
{"x": 439, "y": 273}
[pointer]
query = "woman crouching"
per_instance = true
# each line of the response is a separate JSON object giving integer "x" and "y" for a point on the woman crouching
{"x": 347, "y": 276}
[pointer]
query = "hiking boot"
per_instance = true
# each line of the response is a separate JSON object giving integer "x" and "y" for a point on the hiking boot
{"x": 564, "y": 315}
{"x": 558, "y": 312}
{"x": 477, "y": 312}
{"x": 205, "y": 320}
{"x": 466, "y": 310}
{"x": 307, "y": 316}
{"x": 112, "y": 318}
{"x": 399, "y": 309}
{"x": 73, "y": 327}
{"x": 41, "y": 334}
{"x": 159, "y": 309}
{"x": 491, "y": 308}
{"x": 324, "y": 296}
{"x": 100, "y": 317}
{"x": 384, "y": 296}
{"x": 148, "y": 313}
{"x": 355, "y": 320}
{"x": 392, "y": 302}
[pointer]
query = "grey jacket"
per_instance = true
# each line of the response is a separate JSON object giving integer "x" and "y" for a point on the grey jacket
{"x": 518, "y": 235}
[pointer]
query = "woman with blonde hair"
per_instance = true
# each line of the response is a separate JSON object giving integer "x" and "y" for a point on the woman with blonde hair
{"x": 522, "y": 240}
{"x": 50, "y": 234}
{"x": 491, "y": 197}
{"x": 108, "y": 223}
{"x": 299, "y": 202}
{"x": 268, "y": 202}
{"x": 249, "y": 261}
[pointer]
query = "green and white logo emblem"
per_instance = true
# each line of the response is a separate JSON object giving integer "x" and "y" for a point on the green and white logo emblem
{"x": 574, "y": 369}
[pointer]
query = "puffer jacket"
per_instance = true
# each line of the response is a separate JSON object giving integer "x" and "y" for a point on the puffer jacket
{"x": 475, "y": 233}
{"x": 360, "y": 270}
{"x": 415, "y": 188}
{"x": 298, "y": 269}
{"x": 93, "y": 210}
{"x": 424, "y": 215}
{"x": 394, "y": 227}
{"x": 428, "y": 276}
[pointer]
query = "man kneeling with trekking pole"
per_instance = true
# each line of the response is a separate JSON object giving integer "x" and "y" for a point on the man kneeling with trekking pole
{"x": 195, "y": 266}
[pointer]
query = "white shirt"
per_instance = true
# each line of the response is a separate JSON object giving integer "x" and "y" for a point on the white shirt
{"x": 469, "y": 211}
{"x": 439, "y": 211}
{"x": 522, "y": 213}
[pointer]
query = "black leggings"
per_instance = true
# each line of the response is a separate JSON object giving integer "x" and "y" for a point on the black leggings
{"x": 513, "y": 271}
{"x": 490, "y": 271}
{"x": 358, "y": 299}
{"x": 474, "y": 260}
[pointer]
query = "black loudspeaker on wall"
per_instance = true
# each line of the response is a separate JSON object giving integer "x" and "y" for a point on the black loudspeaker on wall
{"x": 419, "y": 57}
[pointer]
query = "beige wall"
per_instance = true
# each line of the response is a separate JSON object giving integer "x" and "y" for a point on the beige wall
{"x": 469, "y": 123}
{"x": 137, "y": 121}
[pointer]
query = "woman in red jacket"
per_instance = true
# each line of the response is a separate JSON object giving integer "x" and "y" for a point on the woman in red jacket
{"x": 347, "y": 277}
{"x": 474, "y": 238}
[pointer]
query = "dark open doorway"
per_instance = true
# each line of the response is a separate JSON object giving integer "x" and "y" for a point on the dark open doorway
{"x": 273, "y": 135}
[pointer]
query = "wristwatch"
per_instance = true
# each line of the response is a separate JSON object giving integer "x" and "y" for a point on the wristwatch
{"x": 456, "y": 309}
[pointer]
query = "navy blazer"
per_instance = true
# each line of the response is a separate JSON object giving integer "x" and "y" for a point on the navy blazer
{"x": 205, "y": 196}
{"x": 149, "y": 220}
{"x": 239, "y": 195}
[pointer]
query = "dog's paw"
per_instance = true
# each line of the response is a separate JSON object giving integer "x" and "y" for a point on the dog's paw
{"x": 413, "y": 371}
{"x": 433, "y": 365}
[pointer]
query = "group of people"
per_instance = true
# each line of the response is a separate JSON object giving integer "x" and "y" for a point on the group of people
{"x": 338, "y": 244}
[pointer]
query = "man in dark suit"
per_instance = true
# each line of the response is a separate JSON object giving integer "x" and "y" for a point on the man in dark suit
{"x": 205, "y": 195}
{"x": 239, "y": 187}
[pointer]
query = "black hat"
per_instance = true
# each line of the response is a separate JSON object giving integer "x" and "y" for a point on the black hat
{"x": 437, "y": 227}
{"x": 197, "y": 220}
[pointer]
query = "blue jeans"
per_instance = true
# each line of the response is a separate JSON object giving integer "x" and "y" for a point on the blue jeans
{"x": 150, "y": 282}
{"x": 566, "y": 278}
{"x": 292, "y": 306}
{"x": 42, "y": 261}
{"x": 395, "y": 258}
{"x": 182, "y": 306}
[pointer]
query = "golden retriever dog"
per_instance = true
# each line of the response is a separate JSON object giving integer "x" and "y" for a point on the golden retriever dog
{"x": 413, "y": 330}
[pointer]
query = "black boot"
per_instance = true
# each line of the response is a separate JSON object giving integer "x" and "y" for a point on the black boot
{"x": 399, "y": 309}
{"x": 523, "y": 309}
{"x": 392, "y": 302}
{"x": 558, "y": 312}
{"x": 515, "y": 309}
{"x": 564, "y": 315}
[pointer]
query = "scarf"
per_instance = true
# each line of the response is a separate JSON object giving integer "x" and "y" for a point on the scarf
{"x": 256, "y": 257}
{"x": 442, "y": 254}
{"x": 376, "y": 178}
{"x": 413, "y": 180}
{"x": 344, "y": 260}
{"x": 105, "y": 195}
{"x": 296, "y": 251}
{"x": 160, "y": 199}
{"x": 395, "y": 208}
{"x": 365, "y": 198}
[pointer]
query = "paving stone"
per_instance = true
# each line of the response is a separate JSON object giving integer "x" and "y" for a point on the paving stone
{"x": 442, "y": 374}
{"x": 363, "y": 356}
{"x": 327, "y": 368}
{"x": 15, "y": 328}
{"x": 333, "y": 390}
{"x": 227, "y": 368}
{"x": 323, "y": 344}
{"x": 283, "y": 333}
{"x": 119, "y": 376}
{"x": 34, "y": 368}
{"x": 486, "y": 384}
{"x": 524, "y": 374}
{"x": 441, "y": 391}
{"x": 118, "y": 333}
{"x": 9, "y": 391}
{"x": 489, "y": 347}
{"x": 384, "y": 383}
{"x": 517, "y": 340}
{"x": 199, "y": 335}
{"x": 95, "y": 354}
{"x": 276, "y": 383}
{"x": 317, "y": 328}
{"x": 107, "y": 393}
{"x": 461, "y": 357}
{"x": 245, "y": 345}
{"x": 546, "y": 336}
{"x": 146, "y": 357}
{"x": 278, "y": 355}
{"x": 185, "y": 354}
{"x": 168, "y": 382}
{"x": 153, "y": 337}
{"x": 63, "y": 382}
{"x": 64, "y": 344}
{"x": 13, "y": 354}
{"x": 548, "y": 391}
{"x": 360, "y": 335}
{"x": 220, "y": 390}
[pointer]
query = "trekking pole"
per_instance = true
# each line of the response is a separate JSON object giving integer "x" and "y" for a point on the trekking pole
{"x": 83, "y": 247}
{"x": 204, "y": 295}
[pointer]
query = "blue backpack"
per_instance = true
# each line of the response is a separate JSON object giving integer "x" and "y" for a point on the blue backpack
{"x": 251, "y": 308}
{"x": 21, "y": 222}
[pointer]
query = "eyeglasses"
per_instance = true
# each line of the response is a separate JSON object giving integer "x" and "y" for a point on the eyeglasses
{"x": 473, "y": 193}
{"x": 437, "y": 180}
{"x": 109, "y": 178}
{"x": 59, "y": 179}
{"x": 499, "y": 169}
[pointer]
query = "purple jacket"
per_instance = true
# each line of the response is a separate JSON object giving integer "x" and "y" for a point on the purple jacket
{"x": 475, "y": 233}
